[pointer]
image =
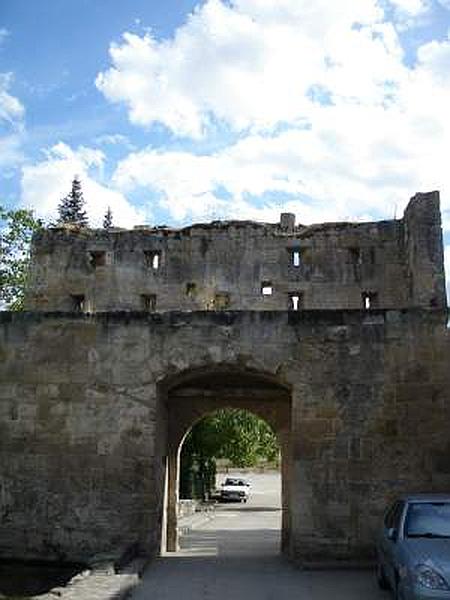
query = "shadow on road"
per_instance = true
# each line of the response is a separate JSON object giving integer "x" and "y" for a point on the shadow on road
{"x": 18, "y": 578}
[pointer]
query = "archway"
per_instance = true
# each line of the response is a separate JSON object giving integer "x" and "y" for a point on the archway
{"x": 192, "y": 395}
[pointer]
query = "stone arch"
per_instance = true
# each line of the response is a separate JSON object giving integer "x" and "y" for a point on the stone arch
{"x": 190, "y": 395}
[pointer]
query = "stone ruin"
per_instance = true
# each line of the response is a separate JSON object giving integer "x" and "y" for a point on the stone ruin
{"x": 334, "y": 333}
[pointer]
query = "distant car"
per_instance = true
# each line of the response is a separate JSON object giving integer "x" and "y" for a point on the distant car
{"x": 414, "y": 548}
{"x": 234, "y": 489}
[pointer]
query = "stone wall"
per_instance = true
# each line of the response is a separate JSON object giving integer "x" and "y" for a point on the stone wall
{"x": 244, "y": 265}
{"x": 89, "y": 403}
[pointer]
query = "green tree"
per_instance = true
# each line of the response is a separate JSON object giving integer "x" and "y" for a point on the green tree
{"x": 108, "y": 220}
{"x": 16, "y": 230}
{"x": 234, "y": 434}
{"x": 70, "y": 208}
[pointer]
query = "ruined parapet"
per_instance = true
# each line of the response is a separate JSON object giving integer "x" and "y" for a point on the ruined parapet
{"x": 424, "y": 250}
{"x": 244, "y": 265}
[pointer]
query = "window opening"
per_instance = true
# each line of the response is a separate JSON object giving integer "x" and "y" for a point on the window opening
{"x": 191, "y": 289}
{"x": 295, "y": 301}
{"x": 78, "y": 302}
{"x": 148, "y": 302}
{"x": 296, "y": 258}
{"x": 370, "y": 300}
{"x": 355, "y": 255}
{"x": 221, "y": 300}
{"x": 153, "y": 259}
{"x": 266, "y": 288}
{"x": 97, "y": 258}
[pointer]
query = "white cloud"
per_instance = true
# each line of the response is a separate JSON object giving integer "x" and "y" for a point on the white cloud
{"x": 11, "y": 153}
{"x": 411, "y": 7}
{"x": 352, "y": 162}
{"x": 45, "y": 183}
{"x": 11, "y": 109}
{"x": 361, "y": 131}
{"x": 113, "y": 139}
{"x": 4, "y": 33}
{"x": 250, "y": 64}
{"x": 434, "y": 58}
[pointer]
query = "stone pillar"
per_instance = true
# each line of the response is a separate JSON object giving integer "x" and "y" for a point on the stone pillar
{"x": 172, "y": 499}
{"x": 424, "y": 246}
{"x": 286, "y": 467}
{"x": 287, "y": 222}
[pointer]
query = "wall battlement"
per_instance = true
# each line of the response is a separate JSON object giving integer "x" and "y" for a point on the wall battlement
{"x": 244, "y": 265}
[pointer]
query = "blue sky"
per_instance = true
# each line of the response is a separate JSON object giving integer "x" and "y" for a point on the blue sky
{"x": 181, "y": 111}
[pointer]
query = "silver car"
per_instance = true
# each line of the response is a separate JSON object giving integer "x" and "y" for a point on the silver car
{"x": 414, "y": 548}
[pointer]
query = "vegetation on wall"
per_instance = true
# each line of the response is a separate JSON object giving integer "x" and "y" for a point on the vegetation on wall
{"x": 16, "y": 230}
{"x": 237, "y": 435}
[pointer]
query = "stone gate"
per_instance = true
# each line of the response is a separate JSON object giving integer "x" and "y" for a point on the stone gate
{"x": 335, "y": 334}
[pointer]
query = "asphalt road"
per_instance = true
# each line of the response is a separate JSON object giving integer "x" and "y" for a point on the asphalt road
{"x": 235, "y": 556}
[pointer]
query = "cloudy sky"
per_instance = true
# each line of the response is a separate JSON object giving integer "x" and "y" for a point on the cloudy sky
{"x": 186, "y": 110}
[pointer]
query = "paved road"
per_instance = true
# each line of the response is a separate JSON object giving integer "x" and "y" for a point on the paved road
{"x": 235, "y": 556}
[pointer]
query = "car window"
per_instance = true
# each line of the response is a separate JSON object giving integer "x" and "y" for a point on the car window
{"x": 428, "y": 519}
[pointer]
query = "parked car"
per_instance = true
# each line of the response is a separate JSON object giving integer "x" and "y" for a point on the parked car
{"x": 234, "y": 489}
{"x": 413, "y": 549}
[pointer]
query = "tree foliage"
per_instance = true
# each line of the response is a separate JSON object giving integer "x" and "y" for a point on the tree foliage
{"x": 237, "y": 435}
{"x": 16, "y": 230}
{"x": 70, "y": 208}
{"x": 108, "y": 219}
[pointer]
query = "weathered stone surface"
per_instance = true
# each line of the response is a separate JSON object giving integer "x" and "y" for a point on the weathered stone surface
{"x": 94, "y": 407}
{"x": 226, "y": 265}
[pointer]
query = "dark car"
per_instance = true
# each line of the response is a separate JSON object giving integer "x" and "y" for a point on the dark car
{"x": 414, "y": 548}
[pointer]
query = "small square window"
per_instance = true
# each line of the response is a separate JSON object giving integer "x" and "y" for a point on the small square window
{"x": 221, "y": 300}
{"x": 78, "y": 302}
{"x": 148, "y": 302}
{"x": 152, "y": 259}
{"x": 355, "y": 255}
{"x": 266, "y": 288}
{"x": 296, "y": 257}
{"x": 97, "y": 259}
{"x": 295, "y": 301}
{"x": 370, "y": 300}
{"x": 191, "y": 289}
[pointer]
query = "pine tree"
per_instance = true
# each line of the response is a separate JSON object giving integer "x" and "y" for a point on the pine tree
{"x": 108, "y": 221}
{"x": 70, "y": 208}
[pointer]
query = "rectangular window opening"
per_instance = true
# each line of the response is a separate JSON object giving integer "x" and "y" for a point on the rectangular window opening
{"x": 355, "y": 255}
{"x": 296, "y": 257}
{"x": 97, "y": 259}
{"x": 295, "y": 301}
{"x": 266, "y": 288}
{"x": 191, "y": 289}
{"x": 370, "y": 300}
{"x": 78, "y": 302}
{"x": 221, "y": 301}
{"x": 152, "y": 259}
{"x": 148, "y": 302}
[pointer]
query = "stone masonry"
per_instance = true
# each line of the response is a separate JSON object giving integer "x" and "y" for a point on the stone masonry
{"x": 334, "y": 333}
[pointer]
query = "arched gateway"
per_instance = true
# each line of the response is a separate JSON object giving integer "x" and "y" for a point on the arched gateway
{"x": 334, "y": 333}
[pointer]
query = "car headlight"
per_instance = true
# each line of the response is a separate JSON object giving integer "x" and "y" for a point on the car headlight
{"x": 429, "y": 578}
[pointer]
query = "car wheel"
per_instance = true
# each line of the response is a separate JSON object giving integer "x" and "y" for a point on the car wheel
{"x": 382, "y": 580}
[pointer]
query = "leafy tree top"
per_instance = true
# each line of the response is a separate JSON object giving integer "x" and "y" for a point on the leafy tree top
{"x": 235, "y": 434}
{"x": 70, "y": 208}
{"x": 108, "y": 220}
{"x": 16, "y": 230}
